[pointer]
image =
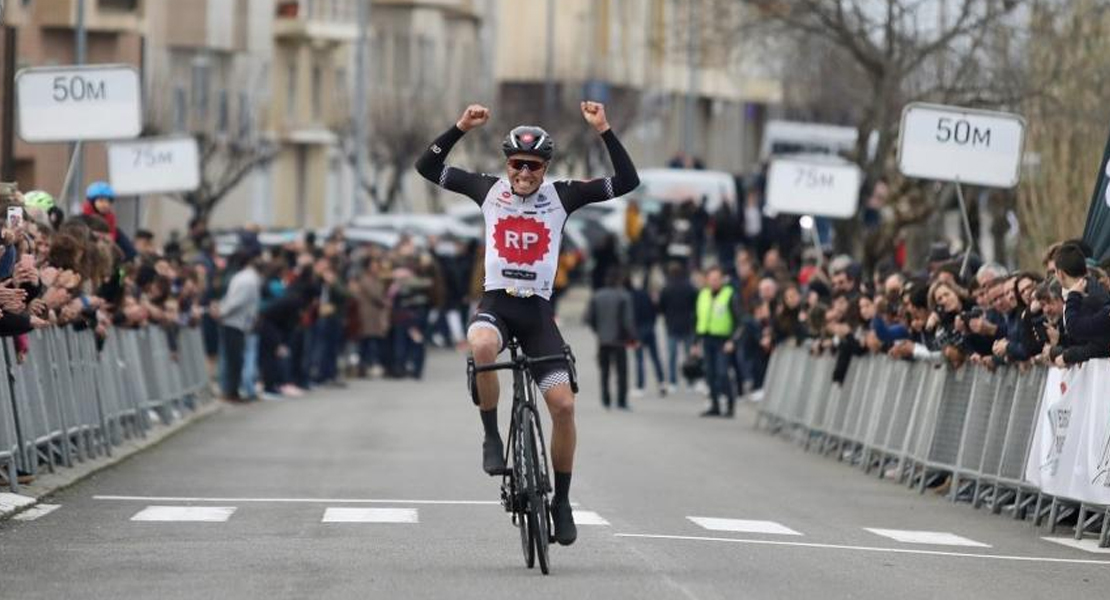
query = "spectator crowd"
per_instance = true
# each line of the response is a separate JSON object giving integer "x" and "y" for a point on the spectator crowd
{"x": 686, "y": 294}
{"x": 726, "y": 301}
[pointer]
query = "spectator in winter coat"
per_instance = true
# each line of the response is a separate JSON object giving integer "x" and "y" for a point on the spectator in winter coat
{"x": 237, "y": 312}
{"x": 678, "y": 302}
{"x": 646, "y": 314}
{"x": 1086, "y": 308}
{"x": 610, "y": 315}
{"x": 372, "y": 299}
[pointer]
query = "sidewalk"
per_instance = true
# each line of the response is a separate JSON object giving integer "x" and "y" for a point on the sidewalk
{"x": 48, "y": 483}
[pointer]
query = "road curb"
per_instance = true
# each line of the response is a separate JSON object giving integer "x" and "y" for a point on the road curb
{"x": 52, "y": 483}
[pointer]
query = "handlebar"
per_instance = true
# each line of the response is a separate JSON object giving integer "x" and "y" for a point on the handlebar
{"x": 520, "y": 362}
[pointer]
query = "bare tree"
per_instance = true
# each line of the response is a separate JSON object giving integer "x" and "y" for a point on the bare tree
{"x": 578, "y": 152}
{"x": 954, "y": 51}
{"x": 224, "y": 163}
{"x": 402, "y": 123}
{"x": 229, "y": 152}
{"x": 1066, "y": 125}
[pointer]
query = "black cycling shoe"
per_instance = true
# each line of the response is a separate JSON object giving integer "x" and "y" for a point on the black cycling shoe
{"x": 565, "y": 529}
{"x": 493, "y": 456}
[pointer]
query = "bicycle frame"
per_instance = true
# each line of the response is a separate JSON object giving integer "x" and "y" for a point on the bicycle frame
{"x": 524, "y": 399}
{"x": 524, "y": 488}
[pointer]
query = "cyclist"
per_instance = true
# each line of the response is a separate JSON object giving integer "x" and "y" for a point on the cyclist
{"x": 524, "y": 218}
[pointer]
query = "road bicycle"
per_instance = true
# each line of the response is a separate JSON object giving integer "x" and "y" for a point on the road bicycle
{"x": 526, "y": 481}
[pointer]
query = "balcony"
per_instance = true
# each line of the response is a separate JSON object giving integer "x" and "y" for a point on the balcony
{"x": 325, "y": 20}
{"x": 107, "y": 16}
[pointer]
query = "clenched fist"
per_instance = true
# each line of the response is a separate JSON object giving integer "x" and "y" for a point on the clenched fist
{"x": 594, "y": 113}
{"x": 475, "y": 115}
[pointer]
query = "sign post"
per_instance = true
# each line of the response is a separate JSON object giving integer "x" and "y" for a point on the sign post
{"x": 70, "y": 104}
{"x": 961, "y": 145}
{"x": 78, "y": 104}
{"x": 822, "y": 186}
{"x": 154, "y": 165}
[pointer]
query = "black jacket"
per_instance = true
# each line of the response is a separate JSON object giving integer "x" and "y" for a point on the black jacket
{"x": 678, "y": 302}
{"x": 1087, "y": 316}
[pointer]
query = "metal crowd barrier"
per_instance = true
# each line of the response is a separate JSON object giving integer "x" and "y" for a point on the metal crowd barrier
{"x": 920, "y": 424}
{"x": 68, "y": 400}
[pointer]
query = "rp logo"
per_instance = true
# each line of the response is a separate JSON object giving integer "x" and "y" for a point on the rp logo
{"x": 520, "y": 240}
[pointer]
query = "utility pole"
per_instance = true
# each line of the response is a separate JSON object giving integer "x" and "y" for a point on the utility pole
{"x": 692, "y": 79}
{"x": 7, "y": 169}
{"x": 77, "y": 160}
{"x": 549, "y": 68}
{"x": 360, "y": 108}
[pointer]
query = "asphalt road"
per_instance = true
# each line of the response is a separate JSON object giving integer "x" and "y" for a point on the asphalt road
{"x": 269, "y": 478}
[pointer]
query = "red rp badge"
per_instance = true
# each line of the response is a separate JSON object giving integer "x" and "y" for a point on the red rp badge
{"x": 520, "y": 240}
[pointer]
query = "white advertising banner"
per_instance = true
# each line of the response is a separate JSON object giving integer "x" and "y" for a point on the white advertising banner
{"x": 1070, "y": 452}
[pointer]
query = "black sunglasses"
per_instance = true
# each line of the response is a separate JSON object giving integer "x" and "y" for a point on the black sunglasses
{"x": 519, "y": 164}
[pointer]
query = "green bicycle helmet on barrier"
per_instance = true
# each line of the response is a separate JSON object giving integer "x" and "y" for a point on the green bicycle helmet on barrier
{"x": 38, "y": 199}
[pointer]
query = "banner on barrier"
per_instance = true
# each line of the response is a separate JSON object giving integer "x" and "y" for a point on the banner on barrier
{"x": 1070, "y": 453}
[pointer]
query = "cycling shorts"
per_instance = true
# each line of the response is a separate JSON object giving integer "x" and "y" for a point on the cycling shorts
{"x": 532, "y": 322}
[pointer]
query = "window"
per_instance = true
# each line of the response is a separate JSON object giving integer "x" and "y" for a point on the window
{"x": 118, "y": 5}
{"x": 401, "y": 61}
{"x": 223, "y": 114}
{"x": 180, "y": 110}
{"x": 244, "y": 115}
{"x": 200, "y": 87}
{"x": 426, "y": 61}
{"x": 291, "y": 87}
{"x": 317, "y": 92}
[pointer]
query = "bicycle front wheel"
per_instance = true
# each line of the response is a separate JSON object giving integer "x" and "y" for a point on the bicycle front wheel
{"x": 523, "y": 478}
{"x": 537, "y": 497}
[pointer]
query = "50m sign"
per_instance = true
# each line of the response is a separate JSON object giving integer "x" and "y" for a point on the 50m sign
{"x": 69, "y": 104}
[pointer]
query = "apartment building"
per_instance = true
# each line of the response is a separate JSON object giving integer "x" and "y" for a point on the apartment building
{"x": 45, "y": 36}
{"x": 636, "y": 55}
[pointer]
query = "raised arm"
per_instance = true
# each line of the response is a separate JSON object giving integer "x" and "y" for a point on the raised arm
{"x": 576, "y": 194}
{"x": 431, "y": 165}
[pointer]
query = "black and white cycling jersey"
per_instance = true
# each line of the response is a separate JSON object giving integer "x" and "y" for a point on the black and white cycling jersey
{"x": 523, "y": 233}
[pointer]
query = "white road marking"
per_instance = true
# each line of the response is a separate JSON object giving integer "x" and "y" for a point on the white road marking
{"x": 10, "y": 502}
{"x": 588, "y": 517}
{"x": 743, "y": 526}
{"x": 935, "y": 538}
{"x": 1045, "y": 559}
{"x": 196, "y": 514}
{"x": 295, "y": 500}
{"x": 1087, "y": 545}
{"x": 370, "y": 515}
{"x": 37, "y": 511}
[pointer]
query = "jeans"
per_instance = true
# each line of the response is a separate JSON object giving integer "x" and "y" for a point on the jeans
{"x": 327, "y": 341}
{"x": 608, "y": 357}
{"x": 716, "y": 371}
{"x": 648, "y": 343}
{"x": 408, "y": 353}
{"x": 300, "y": 354}
{"x": 673, "y": 343}
{"x": 250, "y": 366}
{"x": 371, "y": 351}
{"x": 232, "y": 342}
{"x": 273, "y": 368}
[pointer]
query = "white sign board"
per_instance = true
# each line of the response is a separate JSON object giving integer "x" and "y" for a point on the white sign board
{"x": 948, "y": 143}
{"x": 808, "y": 187}
{"x": 154, "y": 165}
{"x": 69, "y": 104}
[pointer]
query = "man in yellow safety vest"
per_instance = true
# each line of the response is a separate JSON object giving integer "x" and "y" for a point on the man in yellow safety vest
{"x": 718, "y": 329}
